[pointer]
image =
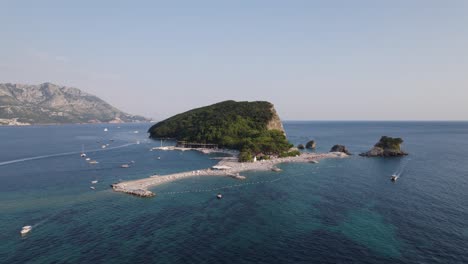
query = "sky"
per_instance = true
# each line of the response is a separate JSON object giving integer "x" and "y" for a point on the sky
{"x": 314, "y": 60}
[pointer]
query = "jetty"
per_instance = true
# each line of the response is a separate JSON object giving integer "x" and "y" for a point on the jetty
{"x": 230, "y": 168}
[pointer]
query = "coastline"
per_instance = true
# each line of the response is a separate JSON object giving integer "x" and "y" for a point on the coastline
{"x": 232, "y": 166}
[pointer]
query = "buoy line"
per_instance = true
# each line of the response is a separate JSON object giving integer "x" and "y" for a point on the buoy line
{"x": 219, "y": 188}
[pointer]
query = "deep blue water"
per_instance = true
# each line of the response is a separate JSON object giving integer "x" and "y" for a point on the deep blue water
{"x": 337, "y": 211}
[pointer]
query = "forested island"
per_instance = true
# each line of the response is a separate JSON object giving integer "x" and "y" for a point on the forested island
{"x": 253, "y": 128}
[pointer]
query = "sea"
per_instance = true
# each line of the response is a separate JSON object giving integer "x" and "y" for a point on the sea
{"x": 338, "y": 211}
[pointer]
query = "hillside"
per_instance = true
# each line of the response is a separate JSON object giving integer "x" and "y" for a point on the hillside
{"x": 52, "y": 104}
{"x": 252, "y": 127}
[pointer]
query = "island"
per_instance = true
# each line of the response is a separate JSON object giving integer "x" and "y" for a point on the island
{"x": 253, "y": 128}
{"x": 386, "y": 147}
{"x": 251, "y": 132}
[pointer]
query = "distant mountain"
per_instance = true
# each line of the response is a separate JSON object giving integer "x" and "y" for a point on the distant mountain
{"x": 47, "y": 103}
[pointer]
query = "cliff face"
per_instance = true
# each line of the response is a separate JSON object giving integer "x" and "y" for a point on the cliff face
{"x": 275, "y": 122}
{"x": 236, "y": 125}
{"x": 50, "y": 103}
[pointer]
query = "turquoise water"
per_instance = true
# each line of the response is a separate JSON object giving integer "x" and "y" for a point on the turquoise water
{"x": 337, "y": 211}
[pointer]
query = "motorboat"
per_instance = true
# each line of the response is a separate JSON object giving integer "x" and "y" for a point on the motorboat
{"x": 94, "y": 182}
{"x": 124, "y": 166}
{"x": 394, "y": 177}
{"x": 103, "y": 146}
{"x": 25, "y": 230}
{"x": 219, "y": 196}
{"x": 92, "y": 188}
{"x": 83, "y": 154}
{"x": 93, "y": 162}
{"x": 88, "y": 159}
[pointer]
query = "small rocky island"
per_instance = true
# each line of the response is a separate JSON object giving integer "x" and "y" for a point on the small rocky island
{"x": 340, "y": 148}
{"x": 386, "y": 147}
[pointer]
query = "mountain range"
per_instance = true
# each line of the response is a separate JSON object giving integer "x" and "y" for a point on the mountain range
{"x": 47, "y": 103}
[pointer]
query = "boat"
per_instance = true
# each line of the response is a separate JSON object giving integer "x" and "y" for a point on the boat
{"x": 124, "y": 166}
{"x": 103, "y": 146}
{"x": 25, "y": 230}
{"x": 83, "y": 154}
{"x": 394, "y": 177}
{"x": 105, "y": 129}
{"x": 92, "y": 188}
{"x": 219, "y": 196}
{"x": 87, "y": 159}
{"x": 136, "y": 132}
{"x": 93, "y": 162}
{"x": 159, "y": 158}
{"x": 94, "y": 182}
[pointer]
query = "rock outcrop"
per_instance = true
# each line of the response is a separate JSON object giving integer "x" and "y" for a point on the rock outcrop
{"x": 48, "y": 103}
{"x": 311, "y": 144}
{"x": 340, "y": 148}
{"x": 300, "y": 146}
{"x": 386, "y": 147}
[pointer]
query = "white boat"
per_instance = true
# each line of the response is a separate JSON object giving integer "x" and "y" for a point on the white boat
{"x": 124, "y": 166}
{"x": 88, "y": 159}
{"x": 219, "y": 196}
{"x": 83, "y": 154}
{"x": 394, "y": 177}
{"x": 25, "y": 230}
{"x": 103, "y": 146}
{"x": 94, "y": 182}
{"x": 136, "y": 132}
{"x": 105, "y": 129}
{"x": 159, "y": 158}
{"x": 92, "y": 188}
{"x": 93, "y": 162}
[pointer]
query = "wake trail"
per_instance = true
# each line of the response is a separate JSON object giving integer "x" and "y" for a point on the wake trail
{"x": 3, "y": 163}
{"x": 402, "y": 168}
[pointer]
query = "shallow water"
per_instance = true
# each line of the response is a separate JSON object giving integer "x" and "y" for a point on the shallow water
{"x": 341, "y": 210}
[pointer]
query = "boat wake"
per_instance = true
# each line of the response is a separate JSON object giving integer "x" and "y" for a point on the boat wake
{"x": 3, "y": 163}
{"x": 401, "y": 168}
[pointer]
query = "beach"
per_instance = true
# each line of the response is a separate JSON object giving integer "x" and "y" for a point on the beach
{"x": 228, "y": 166}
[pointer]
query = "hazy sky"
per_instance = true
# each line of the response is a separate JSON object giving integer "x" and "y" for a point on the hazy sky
{"x": 315, "y": 60}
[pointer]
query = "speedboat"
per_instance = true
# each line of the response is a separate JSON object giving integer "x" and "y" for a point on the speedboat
{"x": 25, "y": 230}
{"x": 92, "y": 188}
{"x": 94, "y": 182}
{"x": 394, "y": 177}
{"x": 219, "y": 196}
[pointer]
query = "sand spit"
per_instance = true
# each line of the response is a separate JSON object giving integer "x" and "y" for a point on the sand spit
{"x": 234, "y": 168}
